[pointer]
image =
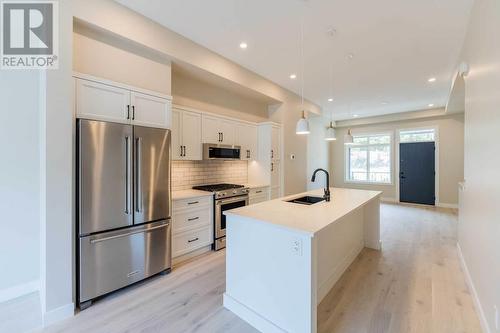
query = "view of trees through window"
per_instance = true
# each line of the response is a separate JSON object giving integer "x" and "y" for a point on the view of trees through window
{"x": 369, "y": 159}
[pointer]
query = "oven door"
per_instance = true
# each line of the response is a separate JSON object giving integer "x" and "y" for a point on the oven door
{"x": 221, "y": 206}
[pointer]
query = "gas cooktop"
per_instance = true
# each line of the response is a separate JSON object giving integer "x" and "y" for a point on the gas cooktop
{"x": 217, "y": 187}
{"x": 223, "y": 190}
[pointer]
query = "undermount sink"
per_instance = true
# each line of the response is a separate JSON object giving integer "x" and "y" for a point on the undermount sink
{"x": 307, "y": 200}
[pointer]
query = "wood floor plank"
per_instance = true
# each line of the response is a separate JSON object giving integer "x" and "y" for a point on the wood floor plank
{"x": 415, "y": 284}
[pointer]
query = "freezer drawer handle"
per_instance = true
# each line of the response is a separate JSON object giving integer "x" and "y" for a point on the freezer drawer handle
{"x": 193, "y": 240}
{"x": 99, "y": 240}
{"x": 193, "y": 218}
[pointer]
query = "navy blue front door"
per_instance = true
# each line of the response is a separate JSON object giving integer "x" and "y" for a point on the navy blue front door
{"x": 417, "y": 172}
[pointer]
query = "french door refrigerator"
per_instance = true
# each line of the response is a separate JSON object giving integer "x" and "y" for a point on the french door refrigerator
{"x": 123, "y": 205}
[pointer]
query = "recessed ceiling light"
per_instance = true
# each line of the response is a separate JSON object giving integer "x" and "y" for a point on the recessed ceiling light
{"x": 384, "y": 103}
{"x": 243, "y": 45}
{"x": 350, "y": 56}
{"x": 330, "y": 99}
{"x": 431, "y": 105}
{"x": 432, "y": 79}
{"x": 355, "y": 115}
{"x": 293, "y": 76}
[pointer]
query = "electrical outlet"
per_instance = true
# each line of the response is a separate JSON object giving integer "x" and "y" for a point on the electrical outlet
{"x": 297, "y": 247}
{"x": 497, "y": 318}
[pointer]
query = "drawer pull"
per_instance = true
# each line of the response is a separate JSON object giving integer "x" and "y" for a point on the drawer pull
{"x": 258, "y": 192}
{"x": 193, "y": 218}
{"x": 193, "y": 240}
{"x": 193, "y": 203}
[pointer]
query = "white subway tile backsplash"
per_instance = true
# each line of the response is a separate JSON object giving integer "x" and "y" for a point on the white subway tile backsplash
{"x": 186, "y": 174}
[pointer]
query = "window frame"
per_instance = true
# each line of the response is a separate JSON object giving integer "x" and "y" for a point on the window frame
{"x": 347, "y": 158}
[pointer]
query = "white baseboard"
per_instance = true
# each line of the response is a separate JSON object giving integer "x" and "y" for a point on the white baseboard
{"x": 337, "y": 272}
{"x": 19, "y": 290}
{"x": 250, "y": 316}
{"x": 475, "y": 298}
{"x": 388, "y": 199}
{"x": 62, "y": 312}
{"x": 446, "y": 205}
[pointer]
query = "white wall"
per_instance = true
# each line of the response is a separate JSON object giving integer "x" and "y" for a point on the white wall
{"x": 19, "y": 182}
{"x": 479, "y": 217}
{"x": 318, "y": 155}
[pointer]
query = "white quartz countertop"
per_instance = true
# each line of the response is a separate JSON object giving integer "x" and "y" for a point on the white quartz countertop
{"x": 304, "y": 218}
{"x": 186, "y": 194}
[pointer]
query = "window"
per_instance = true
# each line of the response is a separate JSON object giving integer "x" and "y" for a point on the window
{"x": 425, "y": 135}
{"x": 369, "y": 159}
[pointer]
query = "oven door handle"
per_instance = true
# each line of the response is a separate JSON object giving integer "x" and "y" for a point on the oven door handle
{"x": 228, "y": 201}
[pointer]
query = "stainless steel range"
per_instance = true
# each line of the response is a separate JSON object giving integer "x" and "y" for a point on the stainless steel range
{"x": 226, "y": 197}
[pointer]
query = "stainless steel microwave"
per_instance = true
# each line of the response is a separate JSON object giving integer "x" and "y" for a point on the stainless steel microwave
{"x": 213, "y": 151}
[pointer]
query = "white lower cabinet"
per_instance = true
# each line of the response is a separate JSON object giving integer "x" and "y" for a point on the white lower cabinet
{"x": 192, "y": 225}
{"x": 258, "y": 194}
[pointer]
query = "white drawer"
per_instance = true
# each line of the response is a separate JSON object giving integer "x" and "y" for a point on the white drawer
{"x": 259, "y": 191}
{"x": 192, "y": 203}
{"x": 191, "y": 240}
{"x": 191, "y": 219}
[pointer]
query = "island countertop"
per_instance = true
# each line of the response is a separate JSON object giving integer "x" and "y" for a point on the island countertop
{"x": 308, "y": 219}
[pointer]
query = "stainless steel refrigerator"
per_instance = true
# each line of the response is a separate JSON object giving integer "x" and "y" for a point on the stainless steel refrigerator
{"x": 124, "y": 206}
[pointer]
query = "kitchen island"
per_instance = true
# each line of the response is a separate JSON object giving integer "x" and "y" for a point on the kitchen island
{"x": 282, "y": 258}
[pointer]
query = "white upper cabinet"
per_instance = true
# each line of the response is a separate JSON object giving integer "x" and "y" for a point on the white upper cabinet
{"x": 186, "y": 135}
{"x": 210, "y": 130}
{"x": 191, "y": 135}
{"x": 228, "y": 131}
{"x": 102, "y": 102}
{"x": 218, "y": 130}
{"x": 247, "y": 139}
{"x": 275, "y": 143}
{"x": 115, "y": 102}
{"x": 177, "y": 149}
{"x": 150, "y": 110}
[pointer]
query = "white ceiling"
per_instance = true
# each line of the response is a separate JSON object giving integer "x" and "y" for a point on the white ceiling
{"x": 397, "y": 45}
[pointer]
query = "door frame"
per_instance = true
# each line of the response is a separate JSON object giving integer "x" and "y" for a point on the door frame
{"x": 436, "y": 158}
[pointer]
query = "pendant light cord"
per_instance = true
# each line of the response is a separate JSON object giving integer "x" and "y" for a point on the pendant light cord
{"x": 302, "y": 60}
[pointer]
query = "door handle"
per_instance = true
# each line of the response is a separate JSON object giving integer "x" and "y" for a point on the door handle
{"x": 133, "y": 112}
{"x": 194, "y": 218}
{"x": 193, "y": 203}
{"x": 138, "y": 175}
{"x": 219, "y": 137}
{"x": 272, "y": 153}
{"x": 222, "y": 137}
{"x": 128, "y": 111}
{"x": 193, "y": 240}
{"x": 127, "y": 175}
{"x": 272, "y": 166}
{"x": 184, "y": 151}
{"x": 181, "y": 151}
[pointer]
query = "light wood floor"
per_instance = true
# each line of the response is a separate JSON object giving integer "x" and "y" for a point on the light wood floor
{"x": 414, "y": 285}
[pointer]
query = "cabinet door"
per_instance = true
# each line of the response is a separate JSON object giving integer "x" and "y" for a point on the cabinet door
{"x": 275, "y": 143}
{"x": 246, "y": 137}
{"x": 210, "y": 129}
{"x": 228, "y": 130}
{"x": 150, "y": 111}
{"x": 99, "y": 101}
{"x": 275, "y": 173}
{"x": 191, "y": 135}
{"x": 177, "y": 135}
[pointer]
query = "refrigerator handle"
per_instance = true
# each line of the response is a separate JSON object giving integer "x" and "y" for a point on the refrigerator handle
{"x": 138, "y": 175}
{"x": 127, "y": 175}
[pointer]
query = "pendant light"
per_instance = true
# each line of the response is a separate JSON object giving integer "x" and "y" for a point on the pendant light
{"x": 348, "y": 138}
{"x": 330, "y": 132}
{"x": 302, "y": 125}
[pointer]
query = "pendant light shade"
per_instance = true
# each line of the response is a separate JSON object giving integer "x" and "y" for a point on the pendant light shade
{"x": 330, "y": 133}
{"x": 302, "y": 125}
{"x": 348, "y": 138}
